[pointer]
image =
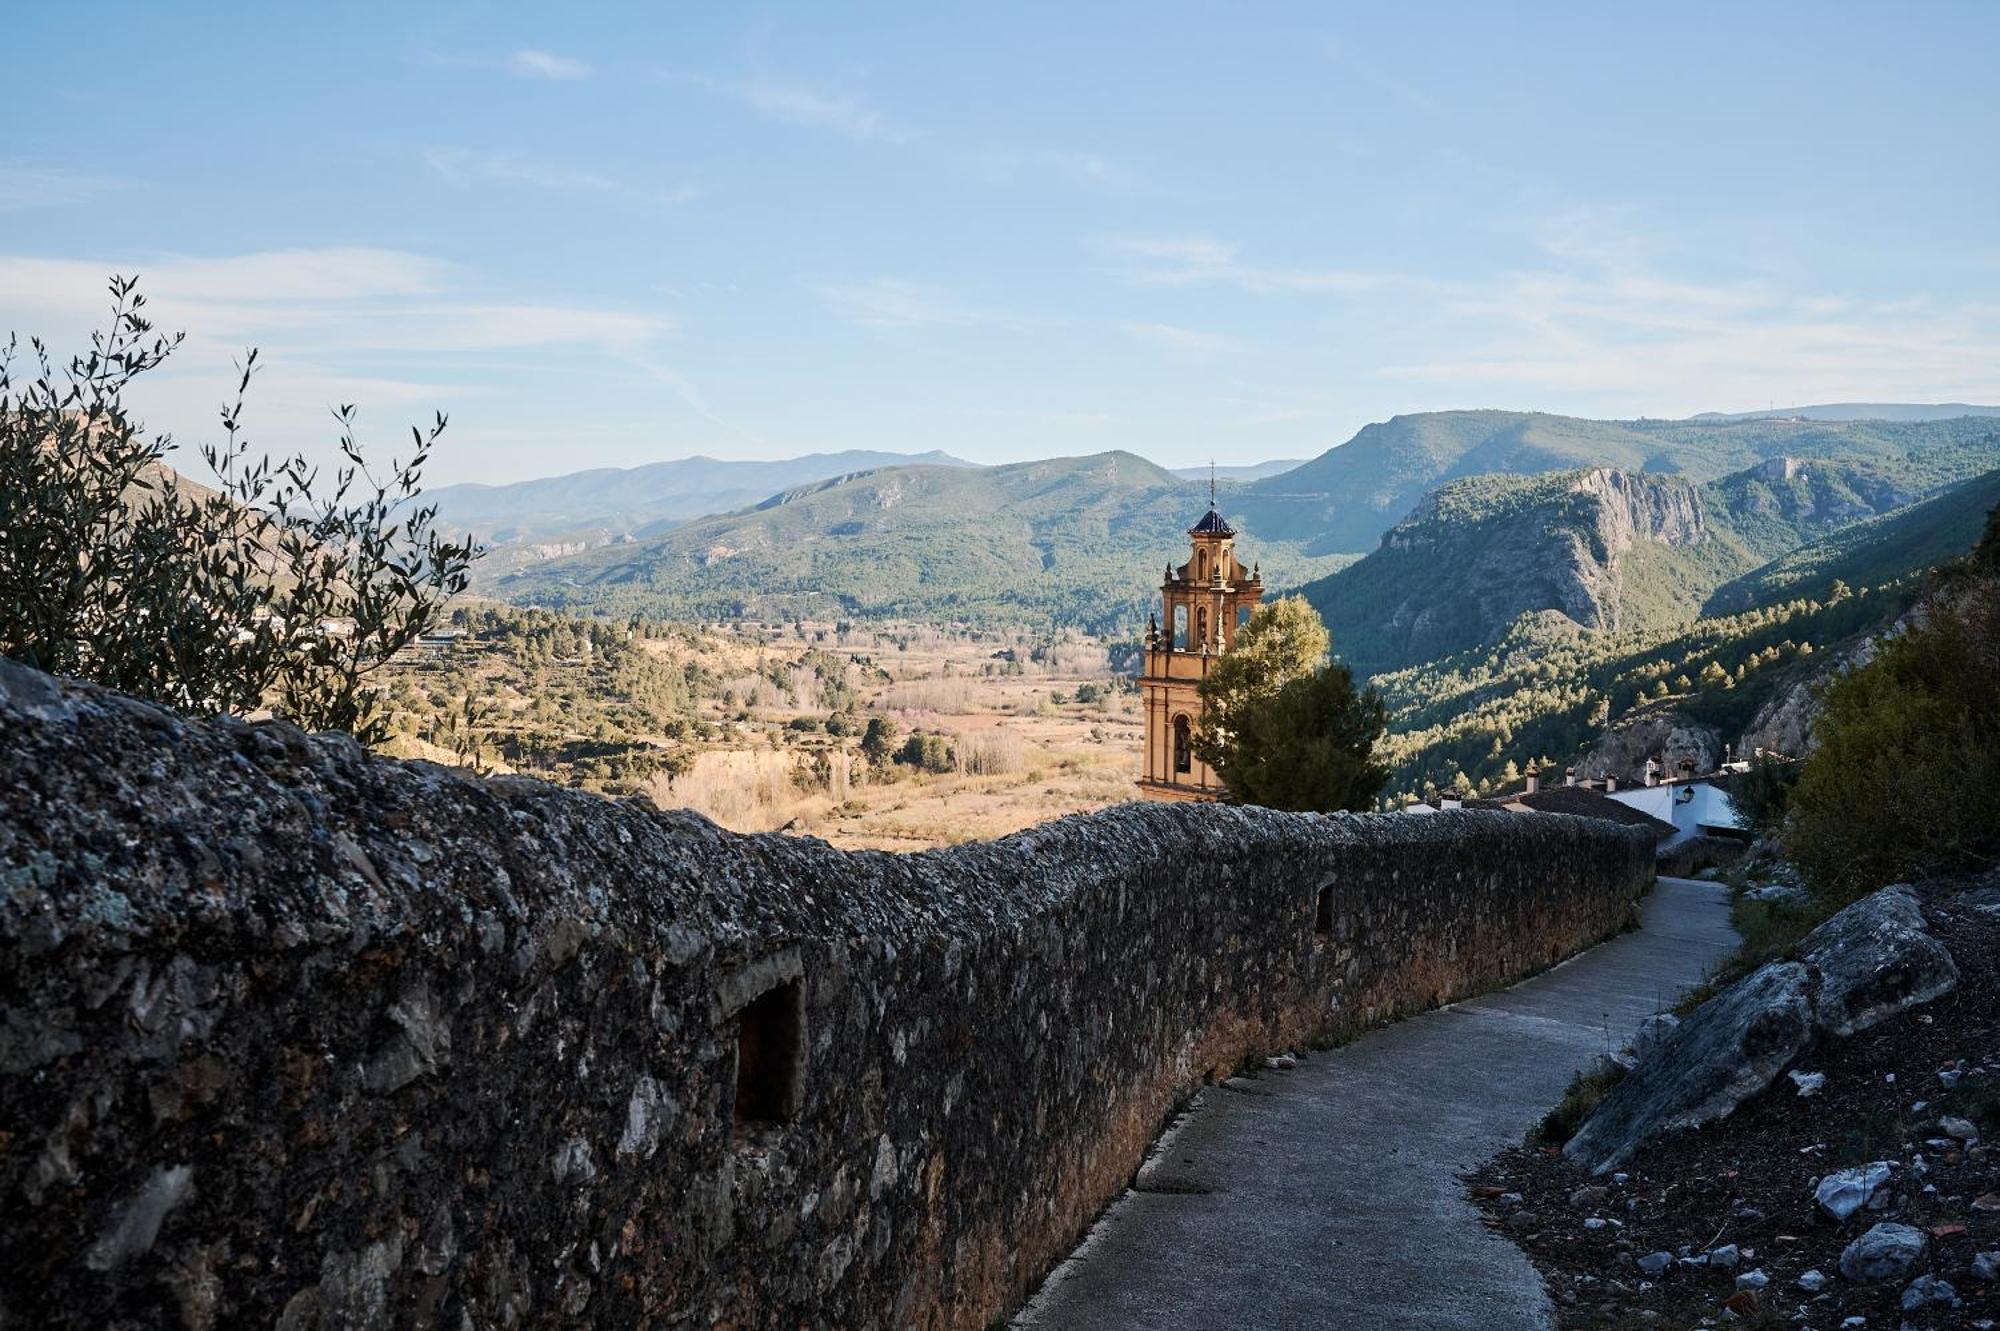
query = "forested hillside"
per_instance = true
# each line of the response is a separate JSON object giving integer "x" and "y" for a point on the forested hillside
{"x": 1348, "y": 496}
{"x": 1546, "y": 688}
{"x": 1872, "y": 551}
{"x": 1079, "y": 541}
{"x": 1607, "y": 549}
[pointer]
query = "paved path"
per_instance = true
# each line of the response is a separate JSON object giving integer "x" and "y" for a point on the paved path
{"x": 1330, "y": 1196}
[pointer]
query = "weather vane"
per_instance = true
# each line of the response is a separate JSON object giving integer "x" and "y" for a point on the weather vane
{"x": 1211, "y": 482}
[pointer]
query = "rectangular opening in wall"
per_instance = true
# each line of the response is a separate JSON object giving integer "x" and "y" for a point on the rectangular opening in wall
{"x": 1323, "y": 914}
{"x": 769, "y": 1047}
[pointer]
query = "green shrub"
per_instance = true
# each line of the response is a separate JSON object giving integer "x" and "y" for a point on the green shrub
{"x": 278, "y": 588}
{"x": 1586, "y": 1091}
{"x": 1902, "y": 784}
{"x": 1760, "y": 795}
{"x": 1284, "y": 727}
{"x": 927, "y": 753}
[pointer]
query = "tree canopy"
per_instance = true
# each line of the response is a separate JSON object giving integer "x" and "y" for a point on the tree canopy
{"x": 1283, "y": 726}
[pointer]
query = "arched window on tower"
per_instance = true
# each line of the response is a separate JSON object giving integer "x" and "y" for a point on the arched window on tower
{"x": 1183, "y": 745}
{"x": 1201, "y": 566}
{"x": 1202, "y": 619}
{"x": 1180, "y": 634}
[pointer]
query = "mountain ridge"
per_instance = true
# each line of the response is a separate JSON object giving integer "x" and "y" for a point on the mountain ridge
{"x": 603, "y": 503}
{"x": 1078, "y": 539}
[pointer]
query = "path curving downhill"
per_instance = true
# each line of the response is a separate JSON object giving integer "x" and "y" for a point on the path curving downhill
{"x": 1330, "y": 1196}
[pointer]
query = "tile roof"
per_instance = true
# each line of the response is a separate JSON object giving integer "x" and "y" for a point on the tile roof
{"x": 1212, "y": 524}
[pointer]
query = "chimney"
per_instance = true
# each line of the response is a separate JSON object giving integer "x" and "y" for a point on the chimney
{"x": 1610, "y": 784}
{"x": 1451, "y": 799}
{"x": 1652, "y": 771}
{"x": 1687, "y": 770}
{"x": 1569, "y": 776}
{"x": 1534, "y": 781}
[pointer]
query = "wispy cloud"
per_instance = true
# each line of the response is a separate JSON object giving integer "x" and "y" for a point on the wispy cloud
{"x": 463, "y": 167}
{"x": 793, "y": 103}
{"x": 1186, "y": 260}
{"x": 890, "y": 302}
{"x": 1667, "y": 346}
{"x": 385, "y": 328}
{"x": 1369, "y": 70}
{"x": 1014, "y": 166}
{"x": 1600, "y": 317}
{"x": 1191, "y": 341}
{"x": 544, "y": 65}
{"x": 25, "y": 185}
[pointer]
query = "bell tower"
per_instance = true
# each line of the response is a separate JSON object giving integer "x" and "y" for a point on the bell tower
{"x": 1204, "y": 601}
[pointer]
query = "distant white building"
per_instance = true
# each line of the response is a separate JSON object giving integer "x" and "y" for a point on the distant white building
{"x": 1696, "y": 806}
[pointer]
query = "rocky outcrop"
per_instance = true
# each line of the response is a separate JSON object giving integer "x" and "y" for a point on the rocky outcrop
{"x": 1871, "y": 961}
{"x": 1783, "y": 725}
{"x": 1479, "y": 553}
{"x": 1661, "y": 732}
{"x": 1732, "y": 1047}
{"x": 1808, "y": 493}
{"x": 294, "y": 1036}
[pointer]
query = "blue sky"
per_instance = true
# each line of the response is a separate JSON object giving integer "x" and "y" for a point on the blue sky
{"x": 608, "y": 235}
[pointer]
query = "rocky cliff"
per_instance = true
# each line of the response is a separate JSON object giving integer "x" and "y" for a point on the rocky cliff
{"x": 1477, "y": 554}
{"x": 294, "y": 1036}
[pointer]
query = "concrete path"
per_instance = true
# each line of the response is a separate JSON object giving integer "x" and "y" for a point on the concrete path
{"x": 1330, "y": 1196}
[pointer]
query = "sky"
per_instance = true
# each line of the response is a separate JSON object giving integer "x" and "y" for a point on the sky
{"x": 608, "y": 235}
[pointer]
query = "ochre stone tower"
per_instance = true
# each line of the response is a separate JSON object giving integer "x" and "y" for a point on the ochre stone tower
{"x": 1205, "y": 600}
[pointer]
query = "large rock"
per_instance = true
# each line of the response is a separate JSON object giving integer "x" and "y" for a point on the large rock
{"x": 1885, "y": 1252}
{"x": 1651, "y": 732}
{"x": 1875, "y": 959}
{"x": 1730, "y": 1049}
{"x": 1869, "y": 962}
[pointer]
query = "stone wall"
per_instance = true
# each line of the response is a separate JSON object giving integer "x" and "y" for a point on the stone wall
{"x": 295, "y": 1036}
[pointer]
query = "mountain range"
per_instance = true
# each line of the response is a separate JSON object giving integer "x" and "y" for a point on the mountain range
{"x": 590, "y": 507}
{"x": 1609, "y": 549}
{"x": 1347, "y": 497}
{"x": 1075, "y": 540}
{"x": 1079, "y": 540}
{"x": 1858, "y": 411}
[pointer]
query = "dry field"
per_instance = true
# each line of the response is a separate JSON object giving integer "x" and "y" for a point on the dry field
{"x": 1020, "y": 757}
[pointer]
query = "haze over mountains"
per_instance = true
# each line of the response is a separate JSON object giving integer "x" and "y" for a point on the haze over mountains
{"x": 1858, "y": 411}
{"x": 640, "y": 501}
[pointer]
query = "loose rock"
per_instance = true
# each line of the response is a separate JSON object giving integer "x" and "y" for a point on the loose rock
{"x": 1845, "y": 1191}
{"x": 1929, "y": 1291}
{"x": 1885, "y": 1252}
